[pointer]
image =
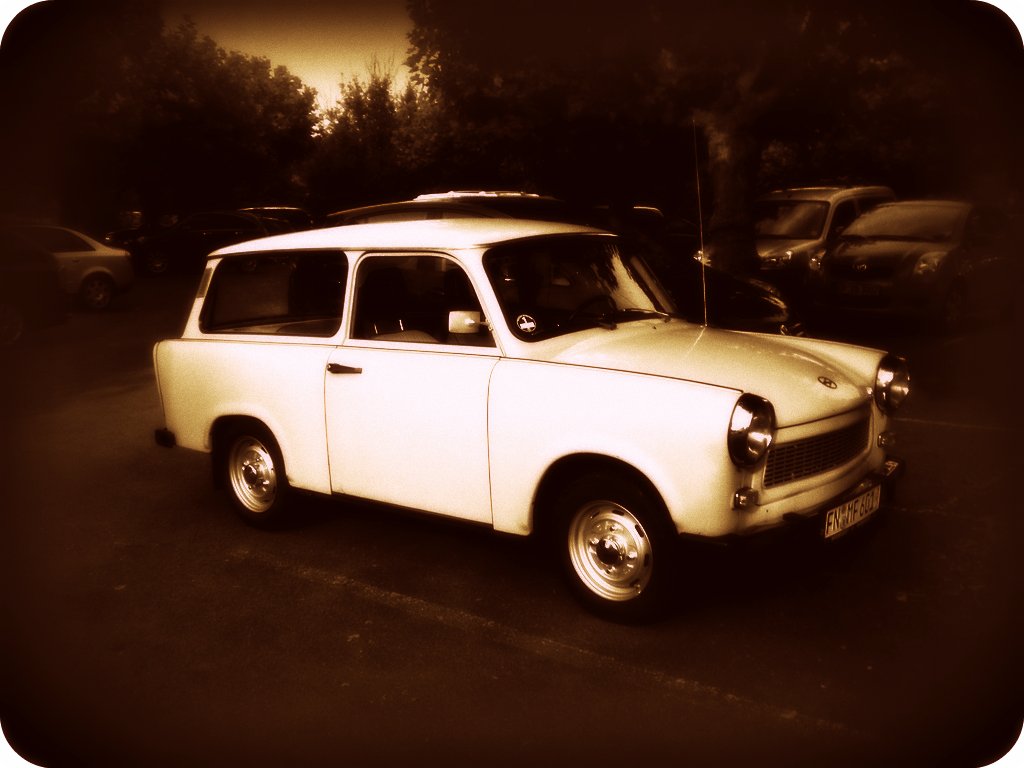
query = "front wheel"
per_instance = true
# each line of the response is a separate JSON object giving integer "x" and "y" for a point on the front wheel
{"x": 952, "y": 312}
{"x": 253, "y": 475}
{"x": 96, "y": 292}
{"x": 12, "y": 323}
{"x": 616, "y": 547}
{"x": 156, "y": 262}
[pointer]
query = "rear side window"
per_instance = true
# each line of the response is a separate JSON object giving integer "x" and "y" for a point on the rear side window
{"x": 297, "y": 293}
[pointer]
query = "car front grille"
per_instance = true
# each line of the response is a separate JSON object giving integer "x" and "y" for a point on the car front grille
{"x": 791, "y": 461}
{"x": 862, "y": 269}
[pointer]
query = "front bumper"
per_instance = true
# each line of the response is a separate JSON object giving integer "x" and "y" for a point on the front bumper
{"x": 811, "y": 525}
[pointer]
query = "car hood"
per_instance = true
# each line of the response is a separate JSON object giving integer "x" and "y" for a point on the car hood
{"x": 773, "y": 247}
{"x": 804, "y": 379}
{"x": 883, "y": 253}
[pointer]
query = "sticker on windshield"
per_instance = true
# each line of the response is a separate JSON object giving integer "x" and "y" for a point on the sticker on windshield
{"x": 526, "y": 324}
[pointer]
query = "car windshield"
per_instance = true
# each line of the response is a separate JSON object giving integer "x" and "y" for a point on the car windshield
{"x": 790, "y": 219}
{"x": 552, "y": 286}
{"x": 909, "y": 222}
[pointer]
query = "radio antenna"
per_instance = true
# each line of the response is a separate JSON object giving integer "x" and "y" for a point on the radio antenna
{"x": 700, "y": 227}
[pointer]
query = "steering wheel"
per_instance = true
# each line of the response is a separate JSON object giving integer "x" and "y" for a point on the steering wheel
{"x": 592, "y": 301}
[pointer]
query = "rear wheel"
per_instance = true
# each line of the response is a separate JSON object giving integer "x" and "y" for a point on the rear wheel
{"x": 253, "y": 475}
{"x": 616, "y": 546}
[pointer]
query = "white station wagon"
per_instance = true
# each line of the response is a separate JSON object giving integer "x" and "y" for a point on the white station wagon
{"x": 527, "y": 376}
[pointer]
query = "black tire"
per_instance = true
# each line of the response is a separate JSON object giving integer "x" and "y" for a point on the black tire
{"x": 96, "y": 292}
{"x": 616, "y": 546}
{"x": 951, "y": 316}
{"x": 156, "y": 262}
{"x": 252, "y": 474}
{"x": 12, "y": 323}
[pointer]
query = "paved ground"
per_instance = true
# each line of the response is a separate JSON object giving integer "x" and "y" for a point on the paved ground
{"x": 145, "y": 625}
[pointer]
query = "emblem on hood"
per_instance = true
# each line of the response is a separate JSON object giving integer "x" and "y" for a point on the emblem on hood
{"x": 825, "y": 381}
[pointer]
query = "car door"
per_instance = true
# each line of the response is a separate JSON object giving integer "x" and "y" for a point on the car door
{"x": 406, "y": 398}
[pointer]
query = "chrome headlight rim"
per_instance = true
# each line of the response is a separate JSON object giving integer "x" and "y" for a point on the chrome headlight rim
{"x": 892, "y": 382}
{"x": 751, "y": 430}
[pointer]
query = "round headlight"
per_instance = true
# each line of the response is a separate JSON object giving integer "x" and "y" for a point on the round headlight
{"x": 892, "y": 382}
{"x": 929, "y": 263}
{"x": 751, "y": 430}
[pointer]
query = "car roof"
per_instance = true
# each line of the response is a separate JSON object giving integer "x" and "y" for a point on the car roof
{"x": 927, "y": 202}
{"x": 826, "y": 193}
{"x": 468, "y": 194}
{"x": 471, "y": 203}
{"x": 438, "y": 203}
{"x": 439, "y": 234}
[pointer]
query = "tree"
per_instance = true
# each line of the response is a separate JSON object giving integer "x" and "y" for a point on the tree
{"x": 62, "y": 67}
{"x": 805, "y": 89}
{"x": 211, "y": 128}
{"x": 109, "y": 109}
{"x": 355, "y": 156}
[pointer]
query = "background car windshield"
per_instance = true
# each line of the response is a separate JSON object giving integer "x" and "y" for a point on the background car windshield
{"x": 797, "y": 219}
{"x": 558, "y": 285}
{"x": 910, "y": 222}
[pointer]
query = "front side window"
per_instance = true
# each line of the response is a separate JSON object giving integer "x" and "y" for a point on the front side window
{"x": 297, "y": 293}
{"x": 220, "y": 221}
{"x": 417, "y": 299}
{"x": 551, "y": 286}
{"x": 842, "y": 217}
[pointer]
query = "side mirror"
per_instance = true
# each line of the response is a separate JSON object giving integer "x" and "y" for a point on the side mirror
{"x": 464, "y": 321}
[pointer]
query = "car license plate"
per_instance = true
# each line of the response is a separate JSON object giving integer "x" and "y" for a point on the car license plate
{"x": 848, "y": 514}
{"x": 859, "y": 289}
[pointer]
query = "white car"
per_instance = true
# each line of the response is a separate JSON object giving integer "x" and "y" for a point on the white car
{"x": 90, "y": 272}
{"x": 526, "y": 376}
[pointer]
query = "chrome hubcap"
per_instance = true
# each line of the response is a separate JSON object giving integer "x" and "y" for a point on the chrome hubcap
{"x": 610, "y": 551}
{"x": 252, "y": 473}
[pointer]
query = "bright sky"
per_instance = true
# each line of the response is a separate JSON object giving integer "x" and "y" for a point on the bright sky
{"x": 323, "y": 42}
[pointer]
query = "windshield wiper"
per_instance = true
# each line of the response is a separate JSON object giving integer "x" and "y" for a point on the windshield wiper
{"x": 666, "y": 316}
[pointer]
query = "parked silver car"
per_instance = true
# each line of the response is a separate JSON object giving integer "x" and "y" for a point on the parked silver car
{"x": 91, "y": 272}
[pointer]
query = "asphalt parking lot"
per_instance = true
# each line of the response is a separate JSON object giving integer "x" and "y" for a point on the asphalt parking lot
{"x": 149, "y": 626}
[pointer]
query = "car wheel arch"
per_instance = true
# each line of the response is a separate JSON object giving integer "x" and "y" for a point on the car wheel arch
{"x": 577, "y": 465}
{"x": 222, "y": 428}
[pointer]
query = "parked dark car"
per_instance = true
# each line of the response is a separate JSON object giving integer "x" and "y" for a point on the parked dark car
{"x": 185, "y": 245}
{"x": 466, "y": 204}
{"x": 732, "y": 302}
{"x": 941, "y": 261}
{"x": 31, "y": 295}
{"x": 284, "y": 218}
{"x": 796, "y": 225}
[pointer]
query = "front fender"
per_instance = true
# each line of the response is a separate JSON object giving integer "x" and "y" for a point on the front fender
{"x": 671, "y": 431}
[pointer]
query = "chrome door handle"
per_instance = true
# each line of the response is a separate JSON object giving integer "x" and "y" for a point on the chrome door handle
{"x": 338, "y": 368}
